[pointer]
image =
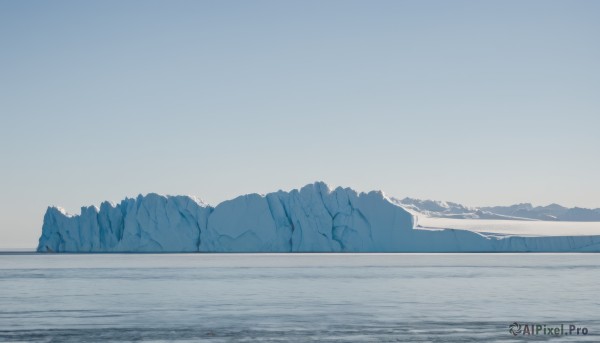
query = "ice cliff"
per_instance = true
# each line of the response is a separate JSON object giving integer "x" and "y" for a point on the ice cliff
{"x": 312, "y": 219}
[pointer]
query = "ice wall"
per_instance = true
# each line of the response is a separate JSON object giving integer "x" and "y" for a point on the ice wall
{"x": 312, "y": 219}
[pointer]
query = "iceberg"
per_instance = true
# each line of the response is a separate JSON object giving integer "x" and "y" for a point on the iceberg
{"x": 314, "y": 218}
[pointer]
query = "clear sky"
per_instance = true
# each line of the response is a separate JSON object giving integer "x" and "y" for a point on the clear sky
{"x": 478, "y": 102}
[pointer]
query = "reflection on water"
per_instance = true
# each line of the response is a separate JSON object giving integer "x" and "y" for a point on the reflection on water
{"x": 295, "y": 297}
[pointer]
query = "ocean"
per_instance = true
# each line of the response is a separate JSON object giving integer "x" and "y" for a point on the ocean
{"x": 299, "y": 297}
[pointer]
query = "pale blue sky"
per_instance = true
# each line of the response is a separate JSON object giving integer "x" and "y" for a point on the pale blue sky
{"x": 478, "y": 102}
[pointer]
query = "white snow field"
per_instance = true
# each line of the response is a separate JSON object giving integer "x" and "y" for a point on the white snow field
{"x": 311, "y": 219}
{"x": 511, "y": 227}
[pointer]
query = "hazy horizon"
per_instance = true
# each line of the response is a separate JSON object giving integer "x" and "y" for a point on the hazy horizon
{"x": 479, "y": 103}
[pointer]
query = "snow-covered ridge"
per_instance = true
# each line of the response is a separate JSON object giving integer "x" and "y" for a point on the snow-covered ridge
{"x": 526, "y": 211}
{"x": 311, "y": 219}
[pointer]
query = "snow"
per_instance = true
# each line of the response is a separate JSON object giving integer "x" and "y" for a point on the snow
{"x": 311, "y": 219}
{"x": 513, "y": 227}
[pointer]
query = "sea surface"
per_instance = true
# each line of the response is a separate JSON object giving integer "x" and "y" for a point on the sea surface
{"x": 296, "y": 297}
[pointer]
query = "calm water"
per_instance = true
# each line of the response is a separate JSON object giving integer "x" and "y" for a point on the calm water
{"x": 299, "y": 298}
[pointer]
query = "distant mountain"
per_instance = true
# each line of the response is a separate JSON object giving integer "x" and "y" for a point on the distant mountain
{"x": 525, "y": 211}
